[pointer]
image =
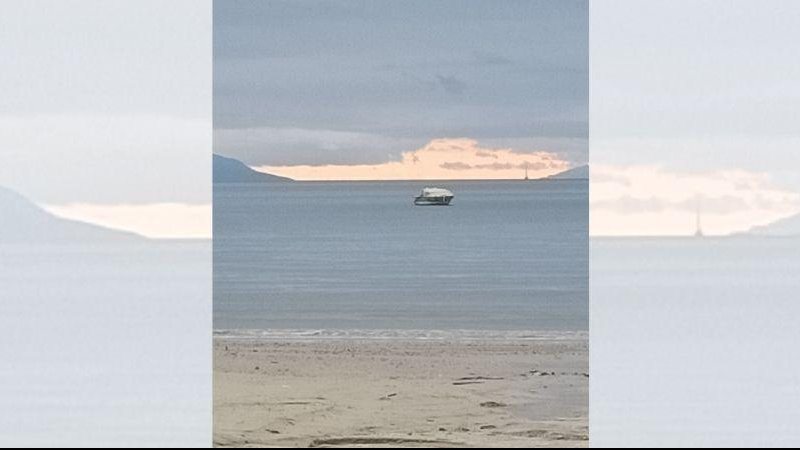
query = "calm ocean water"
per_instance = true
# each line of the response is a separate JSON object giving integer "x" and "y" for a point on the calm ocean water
{"x": 105, "y": 344}
{"x": 694, "y": 342}
{"x": 359, "y": 255}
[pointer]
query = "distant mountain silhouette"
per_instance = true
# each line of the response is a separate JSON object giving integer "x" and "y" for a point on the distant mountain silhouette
{"x": 25, "y": 222}
{"x": 785, "y": 227}
{"x": 577, "y": 173}
{"x": 229, "y": 170}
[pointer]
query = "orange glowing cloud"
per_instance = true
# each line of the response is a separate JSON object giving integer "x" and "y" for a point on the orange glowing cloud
{"x": 440, "y": 159}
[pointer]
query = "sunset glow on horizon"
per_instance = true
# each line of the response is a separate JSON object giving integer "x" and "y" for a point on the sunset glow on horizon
{"x": 440, "y": 159}
{"x": 155, "y": 221}
{"x": 649, "y": 200}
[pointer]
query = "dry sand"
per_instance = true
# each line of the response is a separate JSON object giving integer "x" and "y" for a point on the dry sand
{"x": 327, "y": 393}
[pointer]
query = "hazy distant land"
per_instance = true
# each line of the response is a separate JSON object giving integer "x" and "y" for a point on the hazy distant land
{"x": 576, "y": 173}
{"x": 25, "y": 222}
{"x": 785, "y": 227}
{"x": 229, "y": 170}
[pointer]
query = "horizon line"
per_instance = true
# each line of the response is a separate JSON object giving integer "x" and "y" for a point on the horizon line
{"x": 549, "y": 178}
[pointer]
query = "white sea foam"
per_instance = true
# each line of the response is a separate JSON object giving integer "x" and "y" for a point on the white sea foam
{"x": 421, "y": 335}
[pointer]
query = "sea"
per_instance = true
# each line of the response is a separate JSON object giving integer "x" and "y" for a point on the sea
{"x": 359, "y": 258}
{"x": 695, "y": 342}
{"x": 105, "y": 343}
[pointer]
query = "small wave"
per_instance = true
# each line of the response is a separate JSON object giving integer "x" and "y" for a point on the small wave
{"x": 422, "y": 335}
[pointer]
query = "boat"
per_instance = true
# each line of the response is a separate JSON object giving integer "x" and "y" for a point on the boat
{"x": 432, "y": 196}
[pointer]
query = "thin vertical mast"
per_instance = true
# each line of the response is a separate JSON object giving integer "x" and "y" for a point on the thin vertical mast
{"x": 698, "y": 227}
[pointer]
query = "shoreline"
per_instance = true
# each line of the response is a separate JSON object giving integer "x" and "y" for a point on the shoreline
{"x": 321, "y": 391}
{"x": 457, "y": 335}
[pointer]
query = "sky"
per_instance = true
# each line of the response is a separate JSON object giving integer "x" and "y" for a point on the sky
{"x": 355, "y": 83}
{"x": 109, "y": 105}
{"x": 693, "y": 102}
{"x": 685, "y": 92}
{"x": 440, "y": 159}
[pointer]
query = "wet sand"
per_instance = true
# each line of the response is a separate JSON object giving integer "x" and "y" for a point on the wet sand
{"x": 396, "y": 393}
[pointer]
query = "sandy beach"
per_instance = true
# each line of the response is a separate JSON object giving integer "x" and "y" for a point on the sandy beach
{"x": 409, "y": 393}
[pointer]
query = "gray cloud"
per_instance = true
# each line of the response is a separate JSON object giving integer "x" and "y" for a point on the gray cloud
{"x": 406, "y": 71}
{"x": 455, "y": 166}
{"x": 734, "y": 109}
{"x": 451, "y": 84}
{"x": 106, "y": 102}
{"x": 291, "y": 146}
